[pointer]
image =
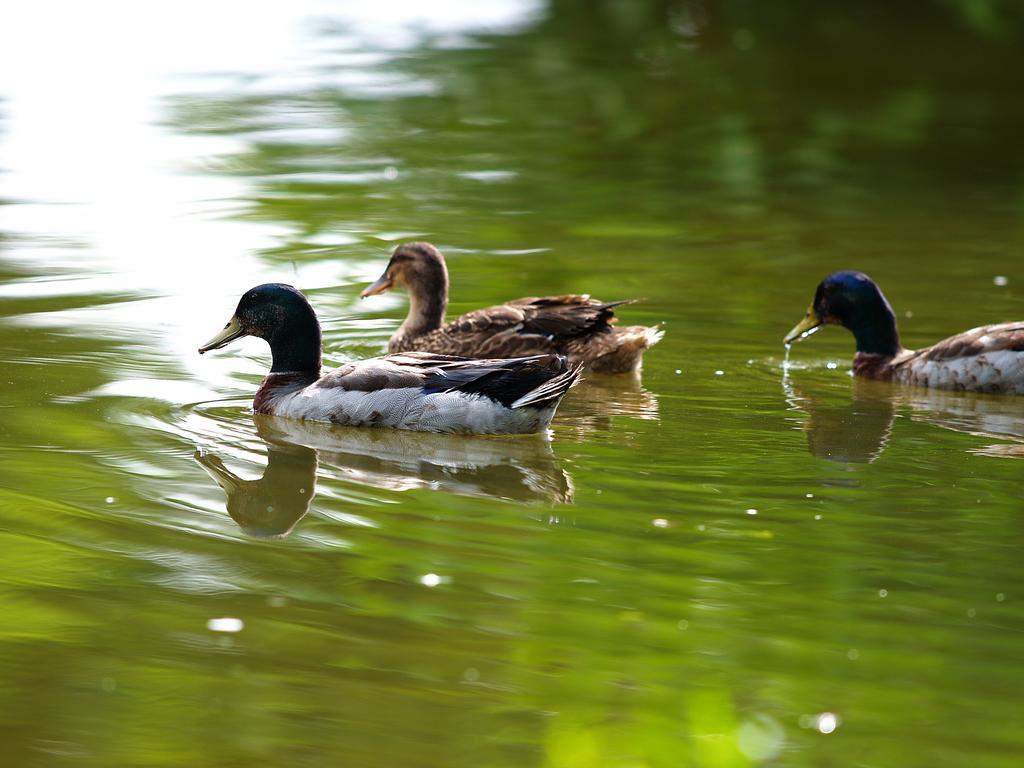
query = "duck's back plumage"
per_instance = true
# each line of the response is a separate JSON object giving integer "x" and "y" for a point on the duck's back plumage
{"x": 573, "y": 325}
{"x": 568, "y": 316}
{"x": 985, "y": 359}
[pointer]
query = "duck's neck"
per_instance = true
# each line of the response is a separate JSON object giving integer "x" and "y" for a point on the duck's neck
{"x": 876, "y": 332}
{"x": 428, "y": 300}
{"x": 295, "y": 344}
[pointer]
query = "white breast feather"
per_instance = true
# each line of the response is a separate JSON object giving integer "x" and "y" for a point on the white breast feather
{"x": 410, "y": 408}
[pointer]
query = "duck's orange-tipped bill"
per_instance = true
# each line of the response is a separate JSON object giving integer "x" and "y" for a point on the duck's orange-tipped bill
{"x": 383, "y": 284}
{"x": 233, "y": 330}
{"x": 805, "y": 327}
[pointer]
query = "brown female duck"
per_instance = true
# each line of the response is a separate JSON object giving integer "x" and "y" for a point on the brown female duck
{"x": 576, "y": 326}
{"x": 985, "y": 359}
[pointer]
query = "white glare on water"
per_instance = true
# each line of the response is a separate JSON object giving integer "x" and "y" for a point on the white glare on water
{"x": 225, "y": 624}
{"x": 823, "y": 722}
{"x": 87, "y": 94}
{"x": 826, "y": 722}
{"x": 430, "y": 579}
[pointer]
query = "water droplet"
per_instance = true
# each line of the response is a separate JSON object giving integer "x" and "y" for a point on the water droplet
{"x": 659, "y": 522}
{"x": 683, "y": 625}
{"x": 971, "y": 613}
{"x": 1001, "y": 280}
{"x": 110, "y": 499}
{"x": 391, "y": 173}
{"x": 853, "y": 654}
{"x": 751, "y": 511}
{"x": 883, "y": 593}
{"x": 226, "y": 624}
{"x": 1000, "y": 597}
{"x": 817, "y": 517}
{"x": 826, "y": 722}
{"x": 808, "y": 495}
{"x": 471, "y": 674}
{"x": 719, "y": 373}
{"x": 430, "y": 579}
{"x": 679, "y": 371}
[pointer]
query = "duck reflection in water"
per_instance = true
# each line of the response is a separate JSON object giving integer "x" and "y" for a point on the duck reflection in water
{"x": 853, "y": 432}
{"x": 597, "y": 399}
{"x": 269, "y": 507}
{"x": 988, "y": 416}
{"x": 859, "y": 430}
{"x": 518, "y": 468}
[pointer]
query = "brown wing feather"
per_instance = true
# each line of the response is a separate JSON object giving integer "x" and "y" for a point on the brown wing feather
{"x": 575, "y": 325}
{"x": 977, "y": 341}
{"x": 565, "y": 316}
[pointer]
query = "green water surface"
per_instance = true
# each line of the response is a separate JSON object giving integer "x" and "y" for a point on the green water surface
{"x": 725, "y": 563}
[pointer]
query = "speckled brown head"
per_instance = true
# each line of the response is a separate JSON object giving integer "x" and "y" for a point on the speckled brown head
{"x": 417, "y": 267}
{"x": 420, "y": 269}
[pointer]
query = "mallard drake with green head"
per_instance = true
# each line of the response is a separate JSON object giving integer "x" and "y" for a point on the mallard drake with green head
{"x": 577, "y": 326}
{"x": 985, "y": 359}
{"x": 416, "y": 391}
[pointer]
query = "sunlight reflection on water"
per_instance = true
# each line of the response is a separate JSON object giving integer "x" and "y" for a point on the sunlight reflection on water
{"x": 89, "y": 160}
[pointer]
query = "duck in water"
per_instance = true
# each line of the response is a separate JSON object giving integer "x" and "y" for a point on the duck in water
{"x": 416, "y": 391}
{"x": 985, "y": 359}
{"x": 577, "y": 326}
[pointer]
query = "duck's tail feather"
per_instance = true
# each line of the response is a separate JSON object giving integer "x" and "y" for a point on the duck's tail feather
{"x": 624, "y": 349}
{"x": 552, "y": 390}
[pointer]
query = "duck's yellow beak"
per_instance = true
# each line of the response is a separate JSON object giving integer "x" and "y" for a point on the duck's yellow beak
{"x": 383, "y": 284}
{"x": 233, "y": 330}
{"x": 805, "y": 327}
